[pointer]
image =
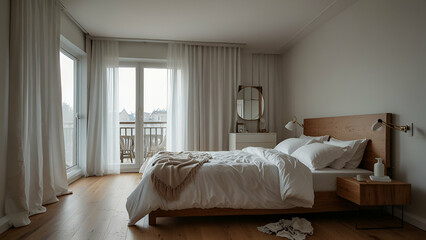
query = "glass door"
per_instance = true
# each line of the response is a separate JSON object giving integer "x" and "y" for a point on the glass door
{"x": 155, "y": 110}
{"x": 127, "y": 116}
{"x": 69, "y": 84}
{"x": 143, "y": 112}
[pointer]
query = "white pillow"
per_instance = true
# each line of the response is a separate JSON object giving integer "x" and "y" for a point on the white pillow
{"x": 319, "y": 138}
{"x": 357, "y": 156}
{"x": 358, "y": 151}
{"x": 351, "y": 147}
{"x": 318, "y": 155}
{"x": 290, "y": 145}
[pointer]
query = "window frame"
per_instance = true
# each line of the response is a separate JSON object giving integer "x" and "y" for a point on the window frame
{"x": 77, "y": 78}
{"x": 80, "y": 103}
{"x": 131, "y": 167}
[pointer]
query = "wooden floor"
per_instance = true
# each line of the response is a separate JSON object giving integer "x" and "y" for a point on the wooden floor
{"x": 96, "y": 210}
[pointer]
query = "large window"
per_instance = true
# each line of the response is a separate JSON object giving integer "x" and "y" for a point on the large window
{"x": 69, "y": 75}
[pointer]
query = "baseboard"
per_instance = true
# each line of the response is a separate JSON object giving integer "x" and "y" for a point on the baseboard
{"x": 411, "y": 218}
{"x": 4, "y": 224}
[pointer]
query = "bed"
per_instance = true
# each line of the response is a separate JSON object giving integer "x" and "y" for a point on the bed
{"x": 325, "y": 198}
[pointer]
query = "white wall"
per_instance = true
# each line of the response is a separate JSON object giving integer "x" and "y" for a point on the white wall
{"x": 4, "y": 89}
{"x": 143, "y": 50}
{"x": 371, "y": 58}
{"x": 71, "y": 32}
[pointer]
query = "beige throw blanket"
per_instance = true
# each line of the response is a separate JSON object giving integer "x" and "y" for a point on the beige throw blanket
{"x": 175, "y": 170}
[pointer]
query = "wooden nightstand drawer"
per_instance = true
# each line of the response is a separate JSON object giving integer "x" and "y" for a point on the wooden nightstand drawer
{"x": 374, "y": 193}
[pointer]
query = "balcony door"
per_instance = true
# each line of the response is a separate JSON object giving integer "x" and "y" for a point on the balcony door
{"x": 143, "y": 112}
{"x": 69, "y": 88}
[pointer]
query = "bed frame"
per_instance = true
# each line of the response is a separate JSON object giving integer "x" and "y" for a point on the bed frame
{"x": 344, "y": 128}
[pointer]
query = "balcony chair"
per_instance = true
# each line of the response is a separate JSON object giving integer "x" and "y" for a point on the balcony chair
{"x": 127, "y": 147}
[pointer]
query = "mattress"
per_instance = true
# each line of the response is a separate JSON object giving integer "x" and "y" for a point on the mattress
{"x": 325, "y": 179}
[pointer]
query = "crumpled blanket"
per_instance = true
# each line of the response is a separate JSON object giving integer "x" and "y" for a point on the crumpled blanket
{"x": 174, "y": 170}
{"x": 294, "y": 229}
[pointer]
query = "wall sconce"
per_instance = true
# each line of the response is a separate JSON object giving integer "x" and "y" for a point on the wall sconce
{"x": 378, "y": 125}
{"x": 290, "y": 125}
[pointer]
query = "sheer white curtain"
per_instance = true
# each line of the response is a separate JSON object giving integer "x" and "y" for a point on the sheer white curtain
{"x": 103, "y": 137}
{"x": 266, "y": 73}
{"x": 36, "y": 157}
{"x": 203, "y": 84}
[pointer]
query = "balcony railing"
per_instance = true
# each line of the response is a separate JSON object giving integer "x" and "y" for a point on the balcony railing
{"x": 154, "y": 137}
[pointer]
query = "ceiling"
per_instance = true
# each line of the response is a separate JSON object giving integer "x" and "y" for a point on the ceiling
{"x": 263, "y": 25}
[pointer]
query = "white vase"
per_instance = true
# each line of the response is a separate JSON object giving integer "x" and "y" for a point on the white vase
{"x": 379, "y": 168}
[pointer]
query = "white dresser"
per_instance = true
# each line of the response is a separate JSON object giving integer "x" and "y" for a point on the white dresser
{"x": 238, "y": 141}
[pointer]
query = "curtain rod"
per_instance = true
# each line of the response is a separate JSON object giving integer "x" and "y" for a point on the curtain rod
{"x": 225, "y": 44}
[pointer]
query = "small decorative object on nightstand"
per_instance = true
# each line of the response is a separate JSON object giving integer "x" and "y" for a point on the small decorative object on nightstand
{"x": 371, "y": 193}
{"x": 379, "y": 168}
{"x": 240, "y": 127}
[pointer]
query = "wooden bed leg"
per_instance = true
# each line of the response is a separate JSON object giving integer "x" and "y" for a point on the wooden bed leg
{"x": 152, "y": 219}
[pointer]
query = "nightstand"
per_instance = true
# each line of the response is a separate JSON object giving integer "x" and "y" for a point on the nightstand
{"x": 371, "y": 193}
{"x": 238, "y": 141}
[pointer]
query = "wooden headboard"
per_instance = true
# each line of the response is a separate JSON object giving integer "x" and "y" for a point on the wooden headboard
{"x": 356, "y": 127}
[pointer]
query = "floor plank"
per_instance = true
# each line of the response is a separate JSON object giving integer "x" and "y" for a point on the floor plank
{"x": 96, "y": 210}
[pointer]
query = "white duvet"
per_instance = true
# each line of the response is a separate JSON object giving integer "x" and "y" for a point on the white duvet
{"x": 254, "y": 178}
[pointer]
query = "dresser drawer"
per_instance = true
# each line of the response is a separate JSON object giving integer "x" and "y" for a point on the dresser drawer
{"x": 256, "y": 137}
{"x": 255, "y": 144}
{"x": 238, "y": 141}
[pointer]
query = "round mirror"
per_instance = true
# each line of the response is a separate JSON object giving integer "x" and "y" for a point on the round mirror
{"x": 250, "y": 103}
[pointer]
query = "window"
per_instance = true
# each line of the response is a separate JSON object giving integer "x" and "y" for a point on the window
{"x": 73, "y": 70}
{"x": 68, "y": 65}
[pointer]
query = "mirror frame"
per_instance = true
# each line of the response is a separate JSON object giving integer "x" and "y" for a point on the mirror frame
{"x": 261, "y": 102}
